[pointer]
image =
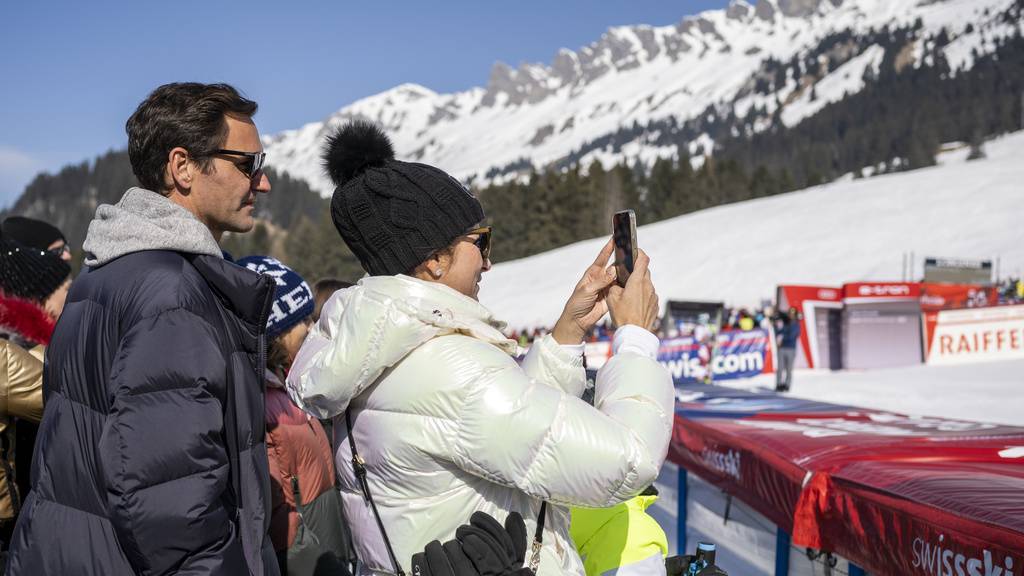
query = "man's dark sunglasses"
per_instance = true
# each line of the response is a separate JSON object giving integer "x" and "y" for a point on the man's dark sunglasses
{"x": 252, "y": 166}
{"x": 483, "y": 241}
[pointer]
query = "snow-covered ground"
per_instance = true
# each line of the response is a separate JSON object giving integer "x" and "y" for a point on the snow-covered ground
{"x": 845, "y": 231}
{"x": 983, "y": 392}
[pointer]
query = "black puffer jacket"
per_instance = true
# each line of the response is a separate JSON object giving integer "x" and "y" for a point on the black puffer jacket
{"x": 133, "y": 470}
{"x": 141, "y": 466}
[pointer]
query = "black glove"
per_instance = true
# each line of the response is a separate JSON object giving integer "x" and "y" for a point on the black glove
{"x": 481, "y": 548}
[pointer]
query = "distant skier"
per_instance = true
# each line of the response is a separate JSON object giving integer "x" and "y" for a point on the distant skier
{"x": 788, "y": 335}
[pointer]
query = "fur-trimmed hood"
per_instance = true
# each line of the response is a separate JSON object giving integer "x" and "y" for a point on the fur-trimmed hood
{"x": 25, "y": 323}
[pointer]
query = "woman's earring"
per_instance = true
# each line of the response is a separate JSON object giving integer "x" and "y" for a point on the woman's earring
{"x": 438, "y": 272}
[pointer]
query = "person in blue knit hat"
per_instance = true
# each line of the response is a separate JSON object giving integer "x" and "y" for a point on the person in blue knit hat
{"x": 307, "y": 524}
{"x": 293, "y": 299}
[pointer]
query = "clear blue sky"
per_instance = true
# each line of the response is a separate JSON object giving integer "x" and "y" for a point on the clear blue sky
{"x": 73, "y": 71}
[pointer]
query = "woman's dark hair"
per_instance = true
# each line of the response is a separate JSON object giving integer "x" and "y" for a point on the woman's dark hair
{"x": 277, "y": 356}
{"x": 448, "y": 250}
{"x": 186, "y": 114}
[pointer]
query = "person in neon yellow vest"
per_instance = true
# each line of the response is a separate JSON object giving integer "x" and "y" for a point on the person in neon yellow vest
{"x": 621, "y": 540}
{"x": 625, "y": 540}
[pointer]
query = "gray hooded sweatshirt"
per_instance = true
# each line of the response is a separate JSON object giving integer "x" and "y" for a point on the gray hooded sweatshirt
{"x": 145, "y": 220}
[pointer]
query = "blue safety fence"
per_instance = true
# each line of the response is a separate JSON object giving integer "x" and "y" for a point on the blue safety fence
{"x": 691, "y": 510}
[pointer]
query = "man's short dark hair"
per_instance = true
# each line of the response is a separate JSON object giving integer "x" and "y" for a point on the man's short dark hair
{"x": 186, "y": 114}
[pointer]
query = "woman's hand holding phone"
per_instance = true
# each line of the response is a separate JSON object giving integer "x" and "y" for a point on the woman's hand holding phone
{"x": 587, "y": 304}
{"x": 637, "y": 302}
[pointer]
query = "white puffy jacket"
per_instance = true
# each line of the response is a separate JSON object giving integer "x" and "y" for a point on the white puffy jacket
{"x": 449, "y": 423}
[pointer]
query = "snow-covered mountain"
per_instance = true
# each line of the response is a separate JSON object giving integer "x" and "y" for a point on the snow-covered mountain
{"x": 845, "y": 231}
{"x": 536, "y": 114}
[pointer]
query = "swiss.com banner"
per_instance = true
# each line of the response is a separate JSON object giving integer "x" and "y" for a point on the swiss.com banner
{"x": 737, "y": 354}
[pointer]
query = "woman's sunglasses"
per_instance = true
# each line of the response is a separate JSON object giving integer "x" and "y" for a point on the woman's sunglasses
{"x": 252, "y": 166}
{"x": 483, "y": 240}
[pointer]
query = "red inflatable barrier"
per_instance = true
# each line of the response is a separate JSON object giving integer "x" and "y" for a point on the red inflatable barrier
{"x": 894, "y": 494}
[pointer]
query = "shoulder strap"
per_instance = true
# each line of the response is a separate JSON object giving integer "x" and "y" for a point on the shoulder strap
{"x": 359, "y": 468}
{"x": 538, "y": 538}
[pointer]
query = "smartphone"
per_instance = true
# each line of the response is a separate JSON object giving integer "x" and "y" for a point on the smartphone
{"x": 624, "y": 235}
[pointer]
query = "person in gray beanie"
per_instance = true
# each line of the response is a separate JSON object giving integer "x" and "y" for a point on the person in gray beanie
{"x": 433, "y": 417}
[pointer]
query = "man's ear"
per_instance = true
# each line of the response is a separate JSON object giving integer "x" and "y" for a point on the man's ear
{"x": 180, "y": 169}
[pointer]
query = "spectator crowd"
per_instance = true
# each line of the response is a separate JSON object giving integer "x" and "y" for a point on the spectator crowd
{"x": 174, "y": 409}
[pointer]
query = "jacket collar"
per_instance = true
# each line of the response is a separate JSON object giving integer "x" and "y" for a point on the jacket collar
{"x": 438, "y": 305}
{"x": 247, "y": 294}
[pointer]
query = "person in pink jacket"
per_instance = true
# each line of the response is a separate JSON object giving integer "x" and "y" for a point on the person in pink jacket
{"x": 307, "y": 524}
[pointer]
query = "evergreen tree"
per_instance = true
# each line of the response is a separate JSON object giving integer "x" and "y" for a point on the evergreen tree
{"x": 659, "y": 202}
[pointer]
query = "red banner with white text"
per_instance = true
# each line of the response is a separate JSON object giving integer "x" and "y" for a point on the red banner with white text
{"x": 895, "y": 494}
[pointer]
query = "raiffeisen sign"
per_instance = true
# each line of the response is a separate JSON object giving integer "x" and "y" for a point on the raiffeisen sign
{"x": 974, "y": 335}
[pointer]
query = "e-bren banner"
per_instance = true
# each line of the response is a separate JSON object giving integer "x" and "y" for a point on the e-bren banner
{"x": 975, "y": 335}
{"x": 738, "y": 354}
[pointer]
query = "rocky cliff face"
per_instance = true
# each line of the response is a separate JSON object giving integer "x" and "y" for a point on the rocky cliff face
{"x": 535, "y": 115}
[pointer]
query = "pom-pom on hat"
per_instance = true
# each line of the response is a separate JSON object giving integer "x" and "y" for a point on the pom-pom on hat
{"x": 393, "y": 215}
{"x": 293, "y": 300}
{"x": 29, "y": 273}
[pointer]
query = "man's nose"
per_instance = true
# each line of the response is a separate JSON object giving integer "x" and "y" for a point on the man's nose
{"x": 263, "y": 184}
{"x": 487, "y": 264}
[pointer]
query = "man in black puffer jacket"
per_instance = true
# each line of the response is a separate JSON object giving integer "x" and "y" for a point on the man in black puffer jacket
{"x": 150, "y": 456}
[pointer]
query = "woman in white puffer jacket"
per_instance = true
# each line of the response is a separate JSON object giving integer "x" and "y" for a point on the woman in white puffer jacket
{"x": 446, "y": 419}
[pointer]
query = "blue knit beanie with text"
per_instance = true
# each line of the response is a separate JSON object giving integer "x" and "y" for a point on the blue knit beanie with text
{"x": 293, "y": 300}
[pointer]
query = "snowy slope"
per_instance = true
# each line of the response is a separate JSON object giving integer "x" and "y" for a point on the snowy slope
{"x": 840, "y": 232}
{"x": 634, "y": 74}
